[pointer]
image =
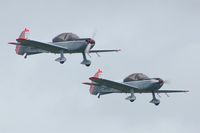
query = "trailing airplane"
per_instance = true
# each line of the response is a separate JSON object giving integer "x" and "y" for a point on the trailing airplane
{"x": 61, "y": 44}
{"x": 134, "y": 83}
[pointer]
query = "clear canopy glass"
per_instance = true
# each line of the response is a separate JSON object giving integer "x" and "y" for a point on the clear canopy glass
{"x": 65, "y": 37}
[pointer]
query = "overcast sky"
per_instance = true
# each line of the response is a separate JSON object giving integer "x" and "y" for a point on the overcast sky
{"x": 159, "y": 38}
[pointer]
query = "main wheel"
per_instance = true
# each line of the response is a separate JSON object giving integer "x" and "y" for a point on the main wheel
{"x": 61, "y": 62}
{"x": 87, "y": 65}
{"x": 132, "y": 100}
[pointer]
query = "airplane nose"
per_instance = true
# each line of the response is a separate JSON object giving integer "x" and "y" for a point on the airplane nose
{"x": 91, "y": 41}
{"x": 160, "y": 81}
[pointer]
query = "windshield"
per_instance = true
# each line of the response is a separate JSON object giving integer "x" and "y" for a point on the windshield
{"x": 65, "y": 37}
{"x": 136, "y": 76}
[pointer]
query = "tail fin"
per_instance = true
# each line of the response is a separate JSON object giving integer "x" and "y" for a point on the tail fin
{"x": 98, "y": 73}
{"x": 23, "y": 36}
{"x": 92, "y": 86}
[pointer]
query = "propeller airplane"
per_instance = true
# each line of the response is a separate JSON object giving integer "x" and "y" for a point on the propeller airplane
{"x": 134, "y": 83}
{"x": 63, "y": 43}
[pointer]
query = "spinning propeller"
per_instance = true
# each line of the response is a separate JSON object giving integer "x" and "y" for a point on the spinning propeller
{"x": 160, "y": 81}
{"x": 91, "y": 43}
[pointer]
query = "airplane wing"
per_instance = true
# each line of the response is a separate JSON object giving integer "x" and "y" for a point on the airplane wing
{"x": 113, "y": 84}
{"x": 170, "y": 91}
{"x": 98, "y": 51}
{"x": 40, "y": 45}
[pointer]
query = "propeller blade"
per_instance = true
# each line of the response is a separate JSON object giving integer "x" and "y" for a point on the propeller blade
{"x": 87, "y": 49}
{"x": 94, "y": 33}
{"x": 167, "y": 81}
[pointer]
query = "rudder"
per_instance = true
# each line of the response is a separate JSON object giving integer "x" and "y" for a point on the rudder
{"x": 92, "y": 87}
{"x": 24, "y": 35}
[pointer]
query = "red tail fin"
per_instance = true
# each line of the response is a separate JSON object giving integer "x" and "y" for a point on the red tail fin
{"x": 24, "y": 34}
{"x": 97, "y": 74}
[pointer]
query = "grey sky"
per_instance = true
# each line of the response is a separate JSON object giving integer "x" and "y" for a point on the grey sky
{"x": 159, "y": 38}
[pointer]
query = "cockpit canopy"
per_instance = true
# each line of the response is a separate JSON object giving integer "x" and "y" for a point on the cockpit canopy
{"x": 135, "y": 77}
{"x": 65, "y": 37}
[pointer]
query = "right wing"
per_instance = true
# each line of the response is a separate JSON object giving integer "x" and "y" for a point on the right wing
{"x": 44, "y": 46}
{"x": 170, "y": 91}
{"x": 98, "y": 51}
{"x": 113, "y": 84}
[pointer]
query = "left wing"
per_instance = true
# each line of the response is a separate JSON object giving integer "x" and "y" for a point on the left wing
{"x": 170, "y": 91}
{"x": 98, "y": 51}
{"x": 40, "y": 45}
{"x": 113, "y": 84}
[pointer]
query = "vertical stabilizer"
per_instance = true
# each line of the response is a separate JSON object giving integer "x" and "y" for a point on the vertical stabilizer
{"x": 23, "y": 36}
{"x": 92, "y": 87}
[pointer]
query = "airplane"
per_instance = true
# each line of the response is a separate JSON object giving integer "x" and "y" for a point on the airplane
{"x": 134, "y": 83}
{"x": 61, "y": 44}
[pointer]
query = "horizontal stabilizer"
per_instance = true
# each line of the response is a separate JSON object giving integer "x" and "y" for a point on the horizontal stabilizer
{"x": 87, "y": 83}
{"x": 14, "y": 43}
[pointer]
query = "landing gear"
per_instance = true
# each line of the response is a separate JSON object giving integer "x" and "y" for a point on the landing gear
{"x": 25, "y": 55}
{"x": 154, "y": 100}
{"x": 99, "y": 95}
{"x": 61, "y": 59}
{"x": 132, "y": 100}
{"x": 85, "y": 61}
{"x": 61, "y": 62}
{"x": 132, "y": 97}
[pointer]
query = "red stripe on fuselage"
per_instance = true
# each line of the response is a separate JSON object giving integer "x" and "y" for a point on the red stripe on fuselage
{"x": 19, "y": 46}
{"x": 91, "y": 89}
{"x": 97, "y": 74}
{"x": 18, "y": 49}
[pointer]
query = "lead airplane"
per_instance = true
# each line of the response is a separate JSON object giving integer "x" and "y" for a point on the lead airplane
{"x": 134, "y": 83}
{"x": 61, "y": 44}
